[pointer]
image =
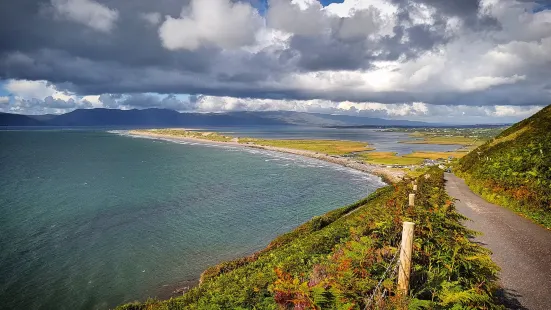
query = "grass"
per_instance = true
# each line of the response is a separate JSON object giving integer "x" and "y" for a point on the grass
{"x": 183, "y": 133}
{"x": 415, "y": 158}
{"x": 504, "y": 199}
{"x": 389, "y": 158}
{"x": 436, "y": 155}
{"x": 336, "y": 260}
{"x": 444, "y": 140}
{"x": 513, "y": 169}
{"x": 509, "y": 137}
{"x": 330, "y": 147}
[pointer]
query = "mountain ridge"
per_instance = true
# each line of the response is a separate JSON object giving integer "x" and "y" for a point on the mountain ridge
{"x": 156, "y": 117}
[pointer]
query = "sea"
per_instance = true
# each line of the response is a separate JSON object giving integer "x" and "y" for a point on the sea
{"x": 91, "y": 219}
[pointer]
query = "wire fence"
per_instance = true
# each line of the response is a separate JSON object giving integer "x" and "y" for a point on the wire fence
{"x": 390, "y": 272}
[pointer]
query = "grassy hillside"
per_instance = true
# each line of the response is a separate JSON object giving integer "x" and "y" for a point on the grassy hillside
{"x": 514, "y": 168}
{"x": 336, "y": 261}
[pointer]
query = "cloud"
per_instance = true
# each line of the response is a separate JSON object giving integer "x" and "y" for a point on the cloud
{"x": 40, "y": 97}
{"x": 383, "y": 52}
{"x": 27, "y": 99}
{"x": 31, "y": 89}
{"x": 222, "y": 23}
{"x": 87, "y": 12}
{"x": 299, "y": 18}
{"x": 4, "y": 100}
{"x": 153, "y": 18}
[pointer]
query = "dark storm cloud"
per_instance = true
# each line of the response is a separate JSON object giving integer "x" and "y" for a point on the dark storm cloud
{"x": 131, "y": 42}
{"x": 129, "y": 58}
{"x": 62, "y": 51}
{"x": 330, "y": 53}
{"x": 459, "y": 8}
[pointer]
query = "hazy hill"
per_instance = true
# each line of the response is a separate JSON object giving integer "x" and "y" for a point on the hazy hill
{"x": 170, "y": 118}
{"x": 7, "y": 119}
{"x": 514, "y": 168}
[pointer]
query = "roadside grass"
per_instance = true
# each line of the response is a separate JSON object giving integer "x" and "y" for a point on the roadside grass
{"x": 330, "y": 147}
{"x": 493, "y": 193}
{"x": 335, "y": 261}
{"x": 414, "y": 174}
{"x": 514, "y": 168}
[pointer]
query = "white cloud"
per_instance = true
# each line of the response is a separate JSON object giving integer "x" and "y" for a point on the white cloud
{"x": 4, "y": 100}
{"x": 484, "y": 82}
{"x": 87, "y": 12}
{"x": 518, "y": 112}
{"x": 222, "y": 23}
{"x": 301, "y": 17}
{"x": 152, "y": 18}
{"x": 30, "y": 89}
{"x": 36, "y": 97}
{"x": 419, "y": 111}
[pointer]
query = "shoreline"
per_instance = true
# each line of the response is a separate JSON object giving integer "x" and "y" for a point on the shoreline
{"x": 388, "y": 176}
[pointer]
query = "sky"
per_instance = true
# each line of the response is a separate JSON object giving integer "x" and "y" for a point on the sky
{"x": 454, "y": 61}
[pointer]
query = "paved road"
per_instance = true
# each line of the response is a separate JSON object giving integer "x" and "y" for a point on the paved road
{"x": 521, "y": 248}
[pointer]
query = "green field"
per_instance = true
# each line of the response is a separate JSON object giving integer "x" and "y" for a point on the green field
{"x": 415, "y": 158}
{"x": 330, "y": 147}
{"x": 184, "y": 133}
{"x": 443, "y": 140}
{"x": 467, "y": 137}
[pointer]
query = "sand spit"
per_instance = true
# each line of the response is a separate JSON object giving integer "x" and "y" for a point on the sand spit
{"x": 388, "y": 174}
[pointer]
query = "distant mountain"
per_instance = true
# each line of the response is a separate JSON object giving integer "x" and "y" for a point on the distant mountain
{"x": 7, "y": 119}
{"x": 514, "y": 168}
{"x": 170, "y": 118}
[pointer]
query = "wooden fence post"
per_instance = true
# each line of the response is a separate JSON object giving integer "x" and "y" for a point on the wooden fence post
{"x": 411, "y": 200}
{"x": 414, "y": 187}
{"x": 406, "y": 250}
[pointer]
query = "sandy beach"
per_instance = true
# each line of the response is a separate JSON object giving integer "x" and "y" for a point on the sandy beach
{"x": 388, "y": 174}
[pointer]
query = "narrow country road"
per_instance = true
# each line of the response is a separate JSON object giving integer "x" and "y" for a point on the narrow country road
{"x": 521, "y": 248}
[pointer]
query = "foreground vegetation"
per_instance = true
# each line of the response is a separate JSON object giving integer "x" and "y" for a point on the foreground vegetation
{"x": 514, "y": 169}
{"x": 337, "y": 260}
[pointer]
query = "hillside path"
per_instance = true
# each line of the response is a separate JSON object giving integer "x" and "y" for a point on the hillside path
{"x": 521, "y": 248}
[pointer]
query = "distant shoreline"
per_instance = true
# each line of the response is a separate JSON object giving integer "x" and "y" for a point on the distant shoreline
{"x": 388, "y": 175}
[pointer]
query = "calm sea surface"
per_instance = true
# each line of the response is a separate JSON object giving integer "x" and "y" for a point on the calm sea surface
{"x": 89, "y": 219}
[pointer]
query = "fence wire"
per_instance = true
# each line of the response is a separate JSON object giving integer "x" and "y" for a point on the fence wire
{"x": 393, "y": 269}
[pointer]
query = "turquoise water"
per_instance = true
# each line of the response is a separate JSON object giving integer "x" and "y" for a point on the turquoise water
{"x": 91, "y": 219}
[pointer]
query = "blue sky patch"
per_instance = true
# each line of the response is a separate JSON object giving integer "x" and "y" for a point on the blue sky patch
{"x": 541, "y": 6}
{"x": 262, "y": 5}
{"x": 3, "y": 91}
